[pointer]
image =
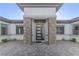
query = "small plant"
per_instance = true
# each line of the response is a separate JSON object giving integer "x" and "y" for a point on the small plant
{"x": 63, "y": 39}
{"x": 4, "y": 40}
{"x": 73, "y": 40}
{"x": 14, "y": 39}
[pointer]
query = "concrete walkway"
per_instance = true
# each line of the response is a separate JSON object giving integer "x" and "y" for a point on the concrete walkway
{"x": 60, "y": 48}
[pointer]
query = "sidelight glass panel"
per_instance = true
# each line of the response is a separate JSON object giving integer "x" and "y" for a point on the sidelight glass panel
{"x": 38, "y": 28}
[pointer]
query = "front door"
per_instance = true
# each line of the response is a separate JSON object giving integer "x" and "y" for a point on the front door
{"x": 39, "y": 32}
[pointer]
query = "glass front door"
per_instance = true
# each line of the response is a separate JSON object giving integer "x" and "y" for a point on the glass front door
{"x": 39, "y": 33}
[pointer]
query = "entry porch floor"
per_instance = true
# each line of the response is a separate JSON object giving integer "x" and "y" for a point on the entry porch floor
{"x": 60, "y": 48}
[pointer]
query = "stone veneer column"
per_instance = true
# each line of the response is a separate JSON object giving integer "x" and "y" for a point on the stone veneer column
{"x": 51, "y": 30}
{"x": 27, "y": 30}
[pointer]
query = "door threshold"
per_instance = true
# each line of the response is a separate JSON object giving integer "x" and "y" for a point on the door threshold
{"x": 40, "y": 41}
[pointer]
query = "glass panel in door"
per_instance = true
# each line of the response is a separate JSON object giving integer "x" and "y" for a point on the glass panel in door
{"x": 38, "y": 32}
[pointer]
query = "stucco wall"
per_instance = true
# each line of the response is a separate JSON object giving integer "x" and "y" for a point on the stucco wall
{"x": 34, "y": 12}
{"x": 77, "y": 22}
{"x": 68, "y": 28}
{"x": 12, "y": 32}
{"x": 61, "y": 37}
{"x": 12, "y": 29}
{"x": 67, "y": 37}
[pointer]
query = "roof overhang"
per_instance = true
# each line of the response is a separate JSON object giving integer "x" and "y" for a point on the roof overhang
{"x": 22, "y": 5}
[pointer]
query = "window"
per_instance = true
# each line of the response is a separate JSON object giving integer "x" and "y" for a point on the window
{"x": 60, "y": 30}
{"x": 4, "y": 29}
{"x": 19, "y": 29}
{"x": 76, "y": 30}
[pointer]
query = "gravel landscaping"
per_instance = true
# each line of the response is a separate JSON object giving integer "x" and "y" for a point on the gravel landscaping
{"x": 60, "y": 48}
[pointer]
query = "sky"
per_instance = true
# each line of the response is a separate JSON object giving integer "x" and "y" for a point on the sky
{"x": 11, "y": 11}
{"x": 66, "y": 12}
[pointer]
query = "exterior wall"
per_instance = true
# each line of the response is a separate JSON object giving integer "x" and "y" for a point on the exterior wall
{"x": 68, "y": 35}
{"x": 17, "y": 37}
{"x": 77, "y": 22}
{"x": 3, "y": 36}
{"x": 63, "y": 36}
{"x": 44, "y": 12}
{"x": 68, "y": 29}
{"x": 12, "y": 28}
{"x": 11, "y": 31}
{"x": 76, "y": 37}
{"x": 2, "y": 22}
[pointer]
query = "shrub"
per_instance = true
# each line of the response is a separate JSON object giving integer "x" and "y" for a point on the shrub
{"x": 63, "y": 39}
{"x": 73, "y": 40}
{"x": 14, "y": 39}
{"x": 4, "y": 40}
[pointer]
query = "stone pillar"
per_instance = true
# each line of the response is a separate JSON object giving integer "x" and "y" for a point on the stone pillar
{"x": 51, "y": 30}
{"x": 27, "y": 30}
